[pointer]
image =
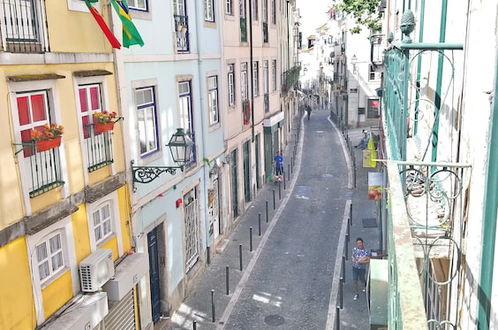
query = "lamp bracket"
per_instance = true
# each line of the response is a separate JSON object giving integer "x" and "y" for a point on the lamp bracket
{"x": 147, "y": 174}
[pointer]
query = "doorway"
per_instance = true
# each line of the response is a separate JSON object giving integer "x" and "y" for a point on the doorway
{"x": 247, "y": 171}
{"x": 155, "y": 286}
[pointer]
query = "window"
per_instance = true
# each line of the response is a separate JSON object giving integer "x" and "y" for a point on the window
{"x": 181, "y": 26}
{"x": 266, "y": 77}
{"x": 244, "y": 81}
{"x": 255, "y": 70}
{"x": 254, "y": 10}
{"x": 273, "y": 12}
{"x": 90, "y": 102}
{"x": 146, "y": 120}
{"x": 185, "y": 113}
{"x": 274, "y": 74}
{"x": 138, "y": 5}
{"x": 231, "y": 85}
{"x": 102, "y": 223}
{"x": 209, "y": 10}
{"x": 242, "y": 8}
{"x": 229, "y": 7}
{"x": 265, "y": 11}
{"x": 192, "y": 227}
{"x": 213, "y": 100}
{"x": 372, "y": 73}
{"x": 49, "y": 257}
{"x": 373, "y": 108}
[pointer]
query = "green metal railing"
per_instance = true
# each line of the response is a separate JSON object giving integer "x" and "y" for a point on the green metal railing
{"x": 99, "y": 148}
{"x": 243, "y": 29}
{"x": 290, "y": 78}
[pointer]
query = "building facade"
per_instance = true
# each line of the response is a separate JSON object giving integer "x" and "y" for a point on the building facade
{"x": 173, "y": 82}
{"x": 64, "y": 201}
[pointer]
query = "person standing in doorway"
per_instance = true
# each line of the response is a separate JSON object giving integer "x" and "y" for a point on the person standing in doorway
{"x": 360, "y": 258}
{"x": 279, "y": 163}
{"x": 308, "y": 111}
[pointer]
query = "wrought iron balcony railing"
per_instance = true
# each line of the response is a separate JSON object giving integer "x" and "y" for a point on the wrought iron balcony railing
{"x": 44, "y": 167}
{"x": 243, "y": 29}
{"x": 290, "y": 78}
{"x": 23, "y": 26}
{"x": 267, "y": 102}
{"x": 182, "y": 34}
{"x": 265, "y": 32}
{"x": 98, "y": 147}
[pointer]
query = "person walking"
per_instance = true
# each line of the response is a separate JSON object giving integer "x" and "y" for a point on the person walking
{"x": 360, "y": 258}
{"x": 279, "y": 163}
{"x": 308, "y": 111}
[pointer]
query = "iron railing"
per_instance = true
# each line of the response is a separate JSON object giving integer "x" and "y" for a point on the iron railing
{"x": 267, "y": 102}
{"x": 99, "y": 148}
{"x": 265, "y": 32}
{"x": 44, "y": 168}
{"x": 182, "y": 34}
{"x": 243, "y": 29}
{"x": 23, "y": 26}
{"x": 290, "y": 78}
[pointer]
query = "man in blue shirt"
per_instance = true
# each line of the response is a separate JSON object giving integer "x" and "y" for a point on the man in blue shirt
{"x": 279, "y": 163}
{"x": 360, "y": 258}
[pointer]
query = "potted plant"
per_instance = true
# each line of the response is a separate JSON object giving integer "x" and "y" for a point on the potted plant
{"x": 47, "y": 136}
{"x": 104, "y": 121}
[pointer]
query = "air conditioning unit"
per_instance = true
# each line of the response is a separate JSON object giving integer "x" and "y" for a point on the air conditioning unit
{"x": 96, "y": 270}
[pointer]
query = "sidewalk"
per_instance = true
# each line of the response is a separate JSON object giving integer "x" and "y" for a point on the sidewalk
{"x": 355, "y": 314}
{"x": 198, "y": 305}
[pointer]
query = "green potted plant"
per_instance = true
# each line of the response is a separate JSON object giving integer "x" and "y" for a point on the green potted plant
{"x": 104, "y": 121}
{"x": 47, "y": 137}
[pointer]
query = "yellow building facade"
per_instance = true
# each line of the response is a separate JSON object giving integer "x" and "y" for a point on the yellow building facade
{"x": 61, "y": 205}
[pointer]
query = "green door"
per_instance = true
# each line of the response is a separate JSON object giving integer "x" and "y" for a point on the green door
{"x": 235, "y": 184}
{"x": 247, "y": 171}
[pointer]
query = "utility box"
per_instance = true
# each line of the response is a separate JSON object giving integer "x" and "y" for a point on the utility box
{"x": 379, "y": 293}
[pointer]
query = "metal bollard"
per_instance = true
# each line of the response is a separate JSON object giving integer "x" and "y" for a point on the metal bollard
{"x": 351, "y": 213}
{"x": 208, "y": 255}
{"x": 273, "y": 199}
{"x": 240, "y": 257}
{"x": 337, "y": 318}
{"x": 289, "y": 171}
{"x": 341, "y": 293}
{"x": 279, "y": 190}
{"x": 343, "y": 269}
{"x": 250, "y": 239}
{"x": 194, "y": 325}
{"x": 292, "y": 164}
{"x": 346, "y": 247}
{"x": 227, "y": 277}
{"x": 259, "y": 224}
{"x": 285, "y": 181}
{"x": 213, "y": 312}
{"x": 266, "y": 209}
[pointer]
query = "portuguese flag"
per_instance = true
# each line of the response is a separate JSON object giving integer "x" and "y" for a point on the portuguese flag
{"x": 130, "y": 32}
{"x": 103, "y": 26}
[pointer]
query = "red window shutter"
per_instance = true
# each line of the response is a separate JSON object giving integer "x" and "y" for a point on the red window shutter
{"x": 38, "y": 107}
{"x": 23, "y": 110}
{"x": 83, "y": 100}
{"x": 94, "y": 97}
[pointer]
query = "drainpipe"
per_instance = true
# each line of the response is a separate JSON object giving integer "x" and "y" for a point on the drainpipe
{"x": 251, "y": 70}
{"x": 205, "y": 167}
{"x": 489, "y": 227}
{"x": 439, "y": 82}
{"x": 419, "y": 65}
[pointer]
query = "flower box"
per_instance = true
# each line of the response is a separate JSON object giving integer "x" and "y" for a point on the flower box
{"x": 44, "y": 145}
{"x": 104, "y": 127}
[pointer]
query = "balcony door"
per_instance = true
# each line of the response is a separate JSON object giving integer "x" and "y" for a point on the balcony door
{"x": 181, "y": 26}
{"x": 185, "y": 113}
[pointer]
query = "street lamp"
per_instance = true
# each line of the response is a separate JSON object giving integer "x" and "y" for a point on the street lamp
{"x": 354, "y": 61}
{"x": 180, "y": 146}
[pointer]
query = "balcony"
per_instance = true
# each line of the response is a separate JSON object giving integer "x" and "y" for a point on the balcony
{"x": 243, "y": 29}
{"x": 23, "y": 26}
{"x": 265, "y": 32}
{"x": 267, "y": 102}
{"x": 182, "y": 34}
{"x": 42, "y": 167}
{"x": 290, "y": 78}
{"x": 98, "y": 148}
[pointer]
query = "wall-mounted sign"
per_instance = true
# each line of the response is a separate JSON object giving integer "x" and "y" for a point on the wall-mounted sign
{"x": 353, "y": 90}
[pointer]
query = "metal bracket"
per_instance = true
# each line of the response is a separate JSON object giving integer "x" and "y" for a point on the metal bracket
{"x": 147, "y": 174}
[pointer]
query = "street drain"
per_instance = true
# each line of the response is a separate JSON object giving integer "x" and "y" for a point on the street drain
{"x": 274, "y": 320}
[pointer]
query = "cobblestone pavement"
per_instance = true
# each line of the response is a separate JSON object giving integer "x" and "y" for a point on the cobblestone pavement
{"x": 286, "y": 279}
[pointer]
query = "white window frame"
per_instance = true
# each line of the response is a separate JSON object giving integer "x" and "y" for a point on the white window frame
{"x": 229, "y": 7}
{"x": 144, "y": 107}
{"x": 111, "y": 200}
{"x": 231, "y": 84}
{"x": 274, "y": 74}
{"x": 266, "y": 77}
{"x": 213, "y": 108}
{"x": 52, "y": 273}
{"x": 65, "y": 229}
{"x": 255, "y": 10}
{"x": 244, "y": 81}
{"x": 145, "y": 9}
{"x": 25, "y": 175}
{"x": 255, "y": 75}
{"x": 104, "y": 221}
{"x": 209, "y": 15}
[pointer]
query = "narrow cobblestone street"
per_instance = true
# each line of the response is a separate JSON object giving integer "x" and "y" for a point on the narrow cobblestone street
{"x": 289, "y": 284}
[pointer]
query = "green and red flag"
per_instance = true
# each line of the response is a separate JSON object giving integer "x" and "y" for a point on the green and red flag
{"x": 130, "y": 32}
{"x": 103, "y": 26}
